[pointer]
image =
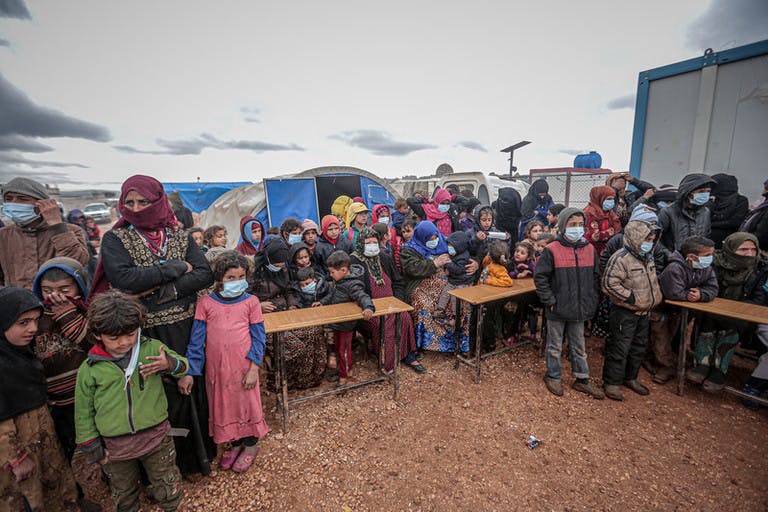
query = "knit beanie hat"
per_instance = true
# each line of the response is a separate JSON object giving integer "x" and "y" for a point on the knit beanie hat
{"x": 645, "y": 214}
{"x": 27, "y": 187}
{"x": 309, "y": 224}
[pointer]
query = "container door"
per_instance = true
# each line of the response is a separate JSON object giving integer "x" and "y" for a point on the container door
{"x": 293, "y": 197}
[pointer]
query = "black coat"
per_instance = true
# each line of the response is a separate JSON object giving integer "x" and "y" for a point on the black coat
{"x": 349, "y": 289}
{"x": 729, "y": 209}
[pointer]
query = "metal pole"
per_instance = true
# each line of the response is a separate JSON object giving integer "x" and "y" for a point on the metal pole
{"x": 397, "y": 355}
{"x": 681, "y": 351}
{"x": 457, "y": 333}
{"x": 478, "y": 341}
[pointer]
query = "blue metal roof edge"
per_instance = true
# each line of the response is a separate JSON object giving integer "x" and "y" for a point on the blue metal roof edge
{"x": 644, "y": 81}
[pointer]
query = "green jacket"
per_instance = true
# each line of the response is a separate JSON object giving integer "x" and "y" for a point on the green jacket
{"x": 105, "y": 406}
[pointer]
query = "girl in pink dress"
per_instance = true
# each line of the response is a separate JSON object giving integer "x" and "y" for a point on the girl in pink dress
{"x": 228, "y": 341}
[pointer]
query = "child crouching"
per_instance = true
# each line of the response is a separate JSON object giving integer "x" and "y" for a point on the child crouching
{"x": 121, "y": 413}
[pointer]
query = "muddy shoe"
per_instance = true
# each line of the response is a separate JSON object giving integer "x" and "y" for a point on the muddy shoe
{"x": 586, "y": 387}
{"x": 664, "y": 375}
{"x": 698, "y": 374}
{"x": 715, "y": 381}
{"x": 555, "y": 386}
{"x": 638, "y": 388}
{"x": 613, "y": 392}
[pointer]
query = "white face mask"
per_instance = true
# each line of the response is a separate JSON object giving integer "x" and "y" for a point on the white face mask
{"x": 384, "y": 220}
{"x": 432, "y": 243}
{"x": 371, "y": 250}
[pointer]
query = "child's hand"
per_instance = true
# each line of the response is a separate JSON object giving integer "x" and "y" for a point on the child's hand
{"x": 185, "y": 384}
{"x": 316, "y": 304}
{"x": 267, "y": 307}
{"x": 24, "y": 469}
{"x": 59, "y": 303}
{"x": 481, "y": 235}
{"x": 157, "y": 364}
{"x": 367, "y": 314}
{"x": 251, "y": 377}
{"x": 523, "y": 274}
{"x": 694, "y": 295}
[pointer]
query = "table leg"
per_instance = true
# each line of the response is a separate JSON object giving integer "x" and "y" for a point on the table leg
{"x": 283, "y": 379}
{"x": 478, "y": 341}
{"x": 457, "y": 334}
{"x": 682, "y": 350}
{"x": 382, "y": 354}
{"x": 397, "y": 356}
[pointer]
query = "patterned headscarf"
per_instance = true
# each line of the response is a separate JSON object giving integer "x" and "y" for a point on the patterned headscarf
{"x": 373, "y": 263}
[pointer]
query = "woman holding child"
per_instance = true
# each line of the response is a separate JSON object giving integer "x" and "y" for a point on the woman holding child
{"x": 423, "y": 258}
{"x": 148, "y": 255}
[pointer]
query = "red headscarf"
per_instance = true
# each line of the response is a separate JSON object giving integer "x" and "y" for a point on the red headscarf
{"x": 245, "y": 246}
{"x": 595, "y": 207}
{"x": 327, "y": 221}
{"x": 441, "y": 220}
{"x": 154, "y": 217}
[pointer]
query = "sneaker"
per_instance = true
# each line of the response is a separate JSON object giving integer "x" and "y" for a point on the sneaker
{"x": 638, "y": 388}
{"x": 588, "y": 389}
{"x": 698, "y": 374}
{"x": 555, "y": 386}
{"x": 664, "y": 375}
{"x": 613, "y": 392}
{"x": 715, "y": 381}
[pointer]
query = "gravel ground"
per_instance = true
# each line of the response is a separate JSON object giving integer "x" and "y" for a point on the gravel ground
{"x": 450, "y": 444}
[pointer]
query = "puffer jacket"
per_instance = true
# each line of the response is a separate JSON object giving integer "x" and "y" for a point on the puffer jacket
{"x": 630, "y": 279}
{"x": 567, "y": 276}
{"x": 349, "y": 289}
{"x": 679, "y": 277}
{"x": 324, "y": 248}
{"x": 617, "y": 242}
{"x": 681, "y": 220}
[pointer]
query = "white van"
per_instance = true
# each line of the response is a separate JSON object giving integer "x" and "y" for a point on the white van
{"x": 485, "y": 187}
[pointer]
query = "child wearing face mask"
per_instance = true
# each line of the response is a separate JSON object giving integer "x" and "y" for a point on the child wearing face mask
{"x": 309, "y": 287}
{"x": 688, "y": 215}
{"x": 455, "y": 271}
{"x": 602, "y": 222}
{"x": 227, "y": 346}
{"x": 290, "y": 230}
{"x": 688, "y": 276}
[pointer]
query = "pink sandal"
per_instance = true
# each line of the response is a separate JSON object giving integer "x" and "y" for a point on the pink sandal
{"x": 229, "y": 457}
{"x": 245, "y": 461}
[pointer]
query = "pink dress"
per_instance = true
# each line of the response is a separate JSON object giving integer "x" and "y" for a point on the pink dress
{"x": 235, "y": 412}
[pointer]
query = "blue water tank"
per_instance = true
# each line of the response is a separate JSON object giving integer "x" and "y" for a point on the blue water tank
{"x": 591, "y": 160}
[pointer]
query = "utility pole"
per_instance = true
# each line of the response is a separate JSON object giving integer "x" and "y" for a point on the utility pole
{"x": 511, "y": 150}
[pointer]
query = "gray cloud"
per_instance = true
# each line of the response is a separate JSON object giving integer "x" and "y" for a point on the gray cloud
{"x": 19, "y": 143}
{"x": 379, "y": 143}
{"x": 573, "y": 152}
{"x": 4, "y": 42}
{"x": 620, "y": 102}
{"x": 23, "y": 117}
{"x": 469, "y": 144}
{"x": 14, "y": 9}
{"x": 196, "y": 145}
{"x": 7, "y": 159}
{"x": 251, "y": 114}
{"x": 729, "y": 23}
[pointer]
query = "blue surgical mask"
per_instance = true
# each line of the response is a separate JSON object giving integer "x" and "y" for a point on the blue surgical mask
{"x": 700, "y": 198}
{"x": 608, "y": 204}
{"x": 20, "y": 213}
{"x": 646, "y": 247}
{"x": 574, "y": 233}
{"x": 294, "y": 239}
{"x": 273, "y": 268}
{"x": 443, "y": 208}
{"x": 451, "y": 250}
{"x": 432, "y": 243}
{"x": 662, "y": 204}
{"x": 704, "y": 262}
{"x": 384, "y": 220}
{"x": 371, "y": 250}
{"x": 232, "y": 289}
{"x": 310, "y": 288}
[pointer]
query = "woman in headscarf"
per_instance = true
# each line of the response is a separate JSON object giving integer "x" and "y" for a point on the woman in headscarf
{"x": 737, "y": 265}
{"x": 305, "y": 351}
{"x": 148, "y": 255}
{"x": 423, "y": 258}
{"x": 381, "y": 214}
{"x": 602, "y": 223}
{"x": 382, "y": 279}
{"x": 32, "y": 459}
{"x": 438, "y": 212}
{"x": 252, "y": 234}
{"x": 331, "y": 239}
{"x": 535, "y": 205}
{"x": 729, "y": 209}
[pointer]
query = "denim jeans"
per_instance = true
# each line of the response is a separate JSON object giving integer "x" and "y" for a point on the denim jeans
{"x": 556, "y": 329}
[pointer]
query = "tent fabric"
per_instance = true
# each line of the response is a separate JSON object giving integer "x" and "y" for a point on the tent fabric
{"x": 295, "y": 197}
{"x": 374, "y": 193}
{"x": 199, "y": 196}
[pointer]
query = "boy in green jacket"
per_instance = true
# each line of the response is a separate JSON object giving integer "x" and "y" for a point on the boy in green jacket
{"x": 121, "y": 413}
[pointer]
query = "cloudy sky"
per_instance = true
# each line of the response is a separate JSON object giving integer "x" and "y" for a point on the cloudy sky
{"x": 94, "y": 91}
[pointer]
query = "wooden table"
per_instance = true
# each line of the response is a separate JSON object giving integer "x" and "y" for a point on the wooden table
{"x": 284, "y": 321}
{"x": 718, "y": 307}
{"x": 477, "y": 297}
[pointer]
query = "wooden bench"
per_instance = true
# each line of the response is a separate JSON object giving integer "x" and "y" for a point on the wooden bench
{"x": 718, "y": 307}
{"x": 284, "y": 321}
{"x": 478, "y": 296}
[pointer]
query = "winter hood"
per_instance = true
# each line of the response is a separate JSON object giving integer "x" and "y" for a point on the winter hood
{"x": 72, "y": 267}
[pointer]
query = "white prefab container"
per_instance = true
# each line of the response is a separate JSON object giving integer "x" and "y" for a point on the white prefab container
{"x": 708, "y": 114}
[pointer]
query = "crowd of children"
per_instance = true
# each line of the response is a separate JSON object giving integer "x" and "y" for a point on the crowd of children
{"x": 89, "y": 370}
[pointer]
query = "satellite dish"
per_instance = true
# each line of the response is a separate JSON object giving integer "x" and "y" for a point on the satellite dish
{"x": 443, "y": 169}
